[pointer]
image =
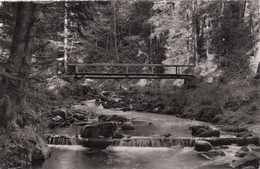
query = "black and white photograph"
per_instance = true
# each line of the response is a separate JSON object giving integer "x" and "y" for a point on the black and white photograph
{"x": 129, "y": 84}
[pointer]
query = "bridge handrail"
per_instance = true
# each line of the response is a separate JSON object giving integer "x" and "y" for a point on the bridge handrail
{"x": 127, "y": 65}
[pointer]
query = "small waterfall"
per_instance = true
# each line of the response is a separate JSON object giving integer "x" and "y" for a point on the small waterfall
{"x": 73, "y": 141}
{"x": 60, "y": 140}
{"x": 130, "y": 142}
{"x": 185, "y": 142}
{"x": 155, "y": 142}
{"x": 147, "y": 141}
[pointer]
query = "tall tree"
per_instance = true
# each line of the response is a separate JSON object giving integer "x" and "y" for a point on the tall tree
{"x": 115, "y": 28}
{"x": 14, "y": 81}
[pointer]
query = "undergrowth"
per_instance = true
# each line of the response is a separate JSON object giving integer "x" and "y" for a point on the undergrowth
{"x": 230, "y": 103}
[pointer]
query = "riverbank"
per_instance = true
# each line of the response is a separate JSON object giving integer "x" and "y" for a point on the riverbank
{"x": 226, "y": 105}
{"x": 20, "y": 147}
{"x": 230, "y": 104}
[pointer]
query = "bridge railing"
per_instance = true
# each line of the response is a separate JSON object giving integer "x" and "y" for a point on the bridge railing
{"x": 80, "y": 68}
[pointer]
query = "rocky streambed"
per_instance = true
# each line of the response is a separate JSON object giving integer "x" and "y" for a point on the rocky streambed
{"x": 132, "y": 137}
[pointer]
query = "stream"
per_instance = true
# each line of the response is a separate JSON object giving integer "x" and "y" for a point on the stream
{"x": 122, "y": 157}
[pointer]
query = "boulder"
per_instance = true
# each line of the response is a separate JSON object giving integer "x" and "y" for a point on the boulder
{"x": 139, "y": 122}
{"x": 110, "y": 104}
{"x": 106, "y": 105}
{"x": 234, "y": 129}
{"x": 41, "y": 150}
{"x": 224, "y": 147}
{"x": 249, "y": 167}
{"x": 20, "y": 148}
{"x": 71, "y": 120}
{"x": 80, "y": 117}
{"x": 82, "y": 112}
{"x": 166, "y": 135}
{"x": 52, "y": 125}
{"x": 126, "y": 109}
{"x": 119, "y": 136}
{"x": 243, "y": 151}
{"x": 98, "y": 102}
{"x": 128, "y": 126}
{"x": 204, "y": 131}
{"x": 242, "y": 141}
{"x": 57, "y": 119}
{"x": 81, "y": 123}
{"x": 90, "y": 131}
{"x": 200, "y": 131}
{"x": 105, "y": 118}
{"x": 102, "y": 117}
{"x": 245, "y": 134}
{"x": 105, "y": 129}
{"x": 92, "y": 114}
{"x": 195, "y": 128}
{"x": 254, "y": 148}
{"x": 103, "y": 99}
{"x": 211, "y": 154}
{"x": 106, "y": 93}
{"x": 250, "y": 159}
{"x": 202, "y": 145}
{"x": 210, "y": 133}
{"x": 60, "y": 112}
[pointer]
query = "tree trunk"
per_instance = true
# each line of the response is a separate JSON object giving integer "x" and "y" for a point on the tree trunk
{"x": 65, "y": 37}
{"x": 243, "y": 8}
{"x": 151, "y": 45}
{"x": 258, "y": 69}
{"x": 115, "y": 34}
{"x": 18, "y": 64}
{"x": 222, "y": 8}
{"x": 194, "y": 29}
{"x": 107, "y": 44}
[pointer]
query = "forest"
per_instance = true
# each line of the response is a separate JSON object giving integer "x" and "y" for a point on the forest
{"x": 220, "y": 39}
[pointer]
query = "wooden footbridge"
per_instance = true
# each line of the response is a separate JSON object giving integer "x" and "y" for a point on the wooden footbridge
{"x": 124, "y": 71}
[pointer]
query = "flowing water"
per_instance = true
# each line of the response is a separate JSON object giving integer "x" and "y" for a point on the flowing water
{"x": 125, "y": 157}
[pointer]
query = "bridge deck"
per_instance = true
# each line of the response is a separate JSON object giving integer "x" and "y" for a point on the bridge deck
{"x": 130, "y": 76}
{"x": 74, "y": 69}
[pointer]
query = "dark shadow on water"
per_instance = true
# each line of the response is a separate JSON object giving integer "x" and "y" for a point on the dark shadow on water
{"x": 37, "y": 164}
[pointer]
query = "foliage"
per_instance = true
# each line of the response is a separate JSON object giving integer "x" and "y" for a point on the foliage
{"x": 119, "y": 33}
{"x": 211, "y": 102}
{"x": 227, "y": 29}
{"x": 172, "y": 22}
{"x": 7, "y": 20}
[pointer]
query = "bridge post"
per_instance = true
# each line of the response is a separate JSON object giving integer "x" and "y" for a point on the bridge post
{"x": 76, "y": 69}
{"x": 126, "y": 69}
